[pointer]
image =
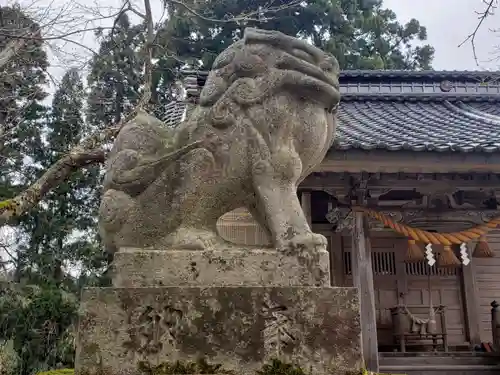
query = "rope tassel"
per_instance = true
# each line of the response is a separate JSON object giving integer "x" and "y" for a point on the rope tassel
{"x": 482, "y": 249}
{"x": 415, "y": 252}
{"x": 447, "y": 258}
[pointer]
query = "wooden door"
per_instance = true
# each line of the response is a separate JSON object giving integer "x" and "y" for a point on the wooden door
{"x": 446, "y": 290}
{"x": 397, "y": 282}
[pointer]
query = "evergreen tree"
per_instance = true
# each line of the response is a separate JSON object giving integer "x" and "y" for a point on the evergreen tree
{"x": 37, "y": 321}
{"x": 63, "y": 230}
{"x": 22, "y": 121}
{"x": 116, "y": 74}
{"x": 22, "y": 114}
{"x": 362, "y": 34}
{"x": 49, "y": 245}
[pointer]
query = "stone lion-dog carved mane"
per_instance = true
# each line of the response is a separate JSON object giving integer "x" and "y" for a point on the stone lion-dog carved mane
{"x": 265, "y": 119}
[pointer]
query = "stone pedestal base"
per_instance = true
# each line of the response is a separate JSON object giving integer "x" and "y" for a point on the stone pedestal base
{"x": 228, "y": 267}
{"x": 240, "y": 327}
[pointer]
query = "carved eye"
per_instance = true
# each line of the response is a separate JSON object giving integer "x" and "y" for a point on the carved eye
{"x": 327, "y": 67}
{"x": 330, "y": 65}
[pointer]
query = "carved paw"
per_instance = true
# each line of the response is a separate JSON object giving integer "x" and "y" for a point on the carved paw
{"x": 308, "y": 241}
{"x": 113, "y": 210}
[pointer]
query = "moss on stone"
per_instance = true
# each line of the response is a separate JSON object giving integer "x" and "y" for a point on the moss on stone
{"x": 277, "y": 367}
{"x": 180, "y": 368}
{"x": 64, "y": 371}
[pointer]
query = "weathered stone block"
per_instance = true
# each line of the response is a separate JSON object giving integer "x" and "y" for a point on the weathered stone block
{"x": 238, "y": 327}
{"x": 224, "y": 267}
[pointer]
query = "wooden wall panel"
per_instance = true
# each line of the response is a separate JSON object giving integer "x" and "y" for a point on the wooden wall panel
{"x": 487, "y": 275}
{"x": 445, "y": 291}
{"x": 396, "y": 282}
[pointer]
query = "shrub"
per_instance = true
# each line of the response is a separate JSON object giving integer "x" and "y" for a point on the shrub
{"x": 38, "y": 322}
{"x": 64, "y": 371}
{"x": 8, "y": 358}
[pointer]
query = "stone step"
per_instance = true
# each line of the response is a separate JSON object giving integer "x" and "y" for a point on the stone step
{"x": 438, "y": 360}
{"x": 442, "y": 370}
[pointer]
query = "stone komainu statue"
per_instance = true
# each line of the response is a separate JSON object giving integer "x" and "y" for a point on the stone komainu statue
{"x": 265, "y": 119}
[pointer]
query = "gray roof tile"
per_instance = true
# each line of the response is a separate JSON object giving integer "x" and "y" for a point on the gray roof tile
{"x": 416, "y": 126}
{"x": 402, "y": 110}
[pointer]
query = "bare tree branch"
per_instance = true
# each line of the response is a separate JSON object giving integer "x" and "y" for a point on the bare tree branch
{"x": 56, "y": 174}
{"x": 490, "y": 6}
{"x": 258, "y": 15}
{"x": 54, "y": 37}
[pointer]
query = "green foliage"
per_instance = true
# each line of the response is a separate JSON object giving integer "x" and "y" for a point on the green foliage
{"x": 66, "y": 371}
{"x": 179, "y": 368}
{"x": 38, "y": 321}
{"x": 360, "y": 33}
{"x": 116, "y": 74}
{"x": 9, "y": 360}
{"x": 70, "y": 208}
{"x": 21, "y": 93}
{"x": 277, "y": 367}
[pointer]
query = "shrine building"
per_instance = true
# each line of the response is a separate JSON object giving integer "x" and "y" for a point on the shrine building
{"x": 416, "y": 161}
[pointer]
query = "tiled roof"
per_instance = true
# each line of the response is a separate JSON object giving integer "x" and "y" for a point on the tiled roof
{"x": 416, "y": 126}
{"x": 416, "y": 111}
{"x": 425, "y": 74}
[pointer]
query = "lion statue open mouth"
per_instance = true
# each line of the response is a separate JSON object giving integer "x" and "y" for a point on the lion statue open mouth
{"x": 265, "y": 119}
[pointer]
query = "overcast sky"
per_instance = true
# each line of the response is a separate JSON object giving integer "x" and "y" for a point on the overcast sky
{"x": 448, "y": 23}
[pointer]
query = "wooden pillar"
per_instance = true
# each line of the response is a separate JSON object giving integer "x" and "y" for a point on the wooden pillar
{"x": 336, "y": 268}
{"x": 495, "y": 325}
{"x": 305, "y": 201}
{"x": 471, "y": 303}
{"x": 401, "y": 275}
{"x": 363, "y": 280}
